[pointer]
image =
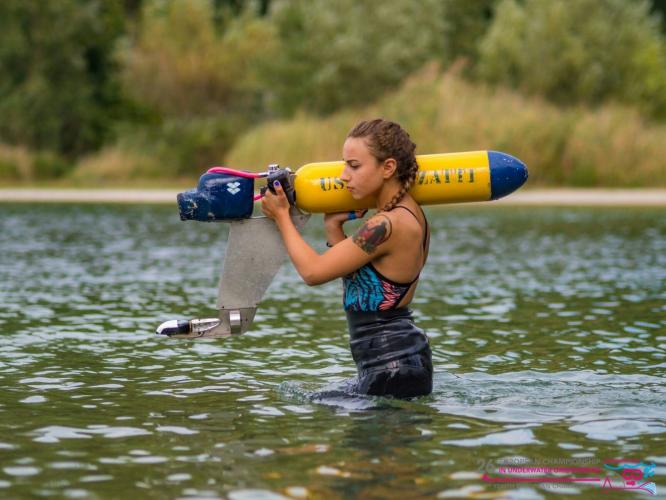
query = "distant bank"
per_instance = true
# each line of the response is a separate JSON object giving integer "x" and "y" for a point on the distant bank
{"x": 563, "y": 197}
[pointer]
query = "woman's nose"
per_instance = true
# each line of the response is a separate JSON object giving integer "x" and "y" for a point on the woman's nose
{"x": 344, "y": 176}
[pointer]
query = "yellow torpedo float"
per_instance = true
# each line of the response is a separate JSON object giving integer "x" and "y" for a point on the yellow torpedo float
{"x": 472, "y": 176}
{"x": 441, "y": 178}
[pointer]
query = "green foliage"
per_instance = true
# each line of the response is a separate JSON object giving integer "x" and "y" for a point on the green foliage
{"x": 466, "y": 24}
{"x": 16, "y": 163}
{"x": 344, "y": 53}
{"x": 659, "y": 8}
{"x": 188, "y": 147}
{"x": 8, "y": 170}
{"x": 177, "y": 148}
{"x": 237, "y": 7}
{"x": 167, "y": 87}
{"x": 200, "y": 81}
{"x": 182, "y": 66}
{"x": 583, "y": 51}
{"x": 48, "y": 165}
{"x": 57, "y": 73}
{"x": 610, "y": 146}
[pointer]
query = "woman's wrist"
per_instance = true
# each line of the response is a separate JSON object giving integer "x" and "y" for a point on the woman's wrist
{"x": 282, "y": 218}
{"x": 333, "y": 227}
{"x": 334, "y": 234}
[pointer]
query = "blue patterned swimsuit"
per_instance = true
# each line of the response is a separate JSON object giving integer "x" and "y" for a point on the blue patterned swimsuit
{"x": 392, "y": 355}
{"x": 369, "y": 290}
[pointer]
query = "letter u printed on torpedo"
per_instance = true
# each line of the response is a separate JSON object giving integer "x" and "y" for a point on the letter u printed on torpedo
{"x": 331, "y": 183}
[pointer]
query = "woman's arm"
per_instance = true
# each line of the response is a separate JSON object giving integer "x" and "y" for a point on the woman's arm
{"x": 333, "y": 225}
{"x": 333, "y": 228}
{"x": 346, "y": 256}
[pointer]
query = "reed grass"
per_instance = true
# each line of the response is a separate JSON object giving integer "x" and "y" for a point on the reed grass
{"x": 16, "y": 163}
{"x": 610, "y": 146}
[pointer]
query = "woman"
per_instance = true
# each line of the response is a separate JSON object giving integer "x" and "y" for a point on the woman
{"x": 380, "y": 263}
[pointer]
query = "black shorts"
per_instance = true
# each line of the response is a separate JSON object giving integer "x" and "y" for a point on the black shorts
{"x": 392, "y": 355}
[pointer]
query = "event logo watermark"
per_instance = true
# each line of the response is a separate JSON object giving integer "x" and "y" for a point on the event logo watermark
{"x": 612, "y": 474}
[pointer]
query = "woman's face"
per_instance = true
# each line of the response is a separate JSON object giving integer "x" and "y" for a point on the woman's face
{"x": 362, "y": 174}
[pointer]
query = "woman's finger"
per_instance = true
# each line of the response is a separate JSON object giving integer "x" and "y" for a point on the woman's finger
{"x": 278, "y": 189}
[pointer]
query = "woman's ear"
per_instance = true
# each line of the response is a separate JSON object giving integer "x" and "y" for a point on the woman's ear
{"x": 389, "y": 166}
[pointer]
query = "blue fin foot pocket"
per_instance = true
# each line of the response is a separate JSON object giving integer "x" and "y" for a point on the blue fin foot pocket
{"x": 218, "y": 196}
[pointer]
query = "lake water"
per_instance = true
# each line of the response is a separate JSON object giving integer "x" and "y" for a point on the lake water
{"x": 548, "y": 329}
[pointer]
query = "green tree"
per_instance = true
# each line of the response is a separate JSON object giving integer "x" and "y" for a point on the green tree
{"x": 466, "y": 23}
{"x": 584, "y": 51}
{"x": 59, "y": 90}
{"x": 199, "y": 77}
{"x": 182, "y": 66}
{"x": 344, "y": 53}
{"x": 659, "y": 7}
{"x": 237, "y": 7}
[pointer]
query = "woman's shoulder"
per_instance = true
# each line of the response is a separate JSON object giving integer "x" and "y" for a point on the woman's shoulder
{"x": 398, "y": 226}
{"x": 407, "y": 217}
{"x": 374, "y": 232}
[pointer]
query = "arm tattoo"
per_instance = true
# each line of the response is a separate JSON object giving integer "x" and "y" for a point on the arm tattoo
{"x": 372, "y": 234}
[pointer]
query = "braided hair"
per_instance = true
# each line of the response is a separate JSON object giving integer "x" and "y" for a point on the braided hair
{"x": 386, "y": 140}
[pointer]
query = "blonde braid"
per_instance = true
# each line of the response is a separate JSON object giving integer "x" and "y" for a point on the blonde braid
{"x": 406, "y": 186}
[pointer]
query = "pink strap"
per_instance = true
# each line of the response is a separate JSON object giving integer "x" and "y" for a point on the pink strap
{"x": 231, "y": 171}
{"x": 237, "y": 173}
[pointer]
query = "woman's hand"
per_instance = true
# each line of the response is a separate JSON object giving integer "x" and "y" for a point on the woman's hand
{"x": 333, "y": 225}
{"x": 275, "y": 206}
{"x": 337, "y": 219}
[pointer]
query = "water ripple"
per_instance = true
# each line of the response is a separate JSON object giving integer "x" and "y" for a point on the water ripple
{"x": 547, "y": 328}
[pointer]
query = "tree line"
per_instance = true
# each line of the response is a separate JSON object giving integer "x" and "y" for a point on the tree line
{"x": 182, "y": 80}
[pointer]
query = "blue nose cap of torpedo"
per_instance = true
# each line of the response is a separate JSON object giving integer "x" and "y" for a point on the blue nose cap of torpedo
{"x": 506, "y": 174}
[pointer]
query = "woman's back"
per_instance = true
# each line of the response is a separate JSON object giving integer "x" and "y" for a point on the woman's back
{"x": 389, "y": 281}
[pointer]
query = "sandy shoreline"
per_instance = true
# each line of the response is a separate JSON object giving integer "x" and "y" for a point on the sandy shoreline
{"x": 562, "y": 197}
